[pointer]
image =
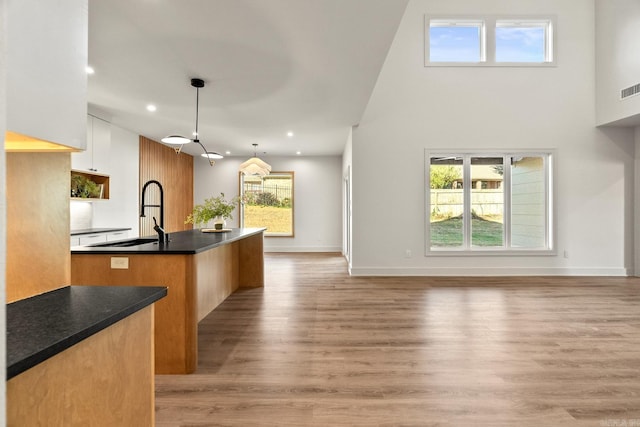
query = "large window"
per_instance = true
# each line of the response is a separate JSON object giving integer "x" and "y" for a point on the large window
{"x": 489, "y": 203}
{"x": 268, "y": 202}
{"x": 489, "y": 41}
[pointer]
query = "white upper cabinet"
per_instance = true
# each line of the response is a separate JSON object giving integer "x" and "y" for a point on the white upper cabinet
{"x": 96, "y": 157}
{"x": 46, "y": 49}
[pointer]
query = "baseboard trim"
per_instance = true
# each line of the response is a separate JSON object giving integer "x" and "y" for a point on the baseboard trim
{"x": 492, "y": 271}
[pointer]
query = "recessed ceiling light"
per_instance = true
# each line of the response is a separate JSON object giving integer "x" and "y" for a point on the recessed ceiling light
{"x": 89, "y": 69}
{"x": 289, "y": 134}
{"x": 228, "y": 153}
{"x": 151, "y": 108}
{"x": 298, "y": 152}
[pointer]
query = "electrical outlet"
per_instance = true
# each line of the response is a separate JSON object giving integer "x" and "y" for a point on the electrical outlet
{"x": 119, "y": 263}
{"x": 566, "y": 254}
{"x": 408, "y": 254}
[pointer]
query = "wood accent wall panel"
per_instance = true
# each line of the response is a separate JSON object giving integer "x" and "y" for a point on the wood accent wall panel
{"x": 105, "y": 380}
{"x": 175, "y": 173}
{"x": 176, "y": 326}
{"x": 38, "y": 257}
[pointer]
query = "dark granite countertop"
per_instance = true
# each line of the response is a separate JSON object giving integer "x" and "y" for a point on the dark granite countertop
{"x": 96, "y": 230}
{"x": 44, "y": 325}
{"x": 181, "y": 242}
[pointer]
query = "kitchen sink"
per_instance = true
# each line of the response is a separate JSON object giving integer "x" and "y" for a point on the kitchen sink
{"x": 125, "y": 243}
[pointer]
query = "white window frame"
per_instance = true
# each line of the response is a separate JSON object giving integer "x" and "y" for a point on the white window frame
{"x": 506, "y": 250}
{"x": 488, "y": 38}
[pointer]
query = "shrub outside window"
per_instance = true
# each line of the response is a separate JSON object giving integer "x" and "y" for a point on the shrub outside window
{"x": 479, "y": 203}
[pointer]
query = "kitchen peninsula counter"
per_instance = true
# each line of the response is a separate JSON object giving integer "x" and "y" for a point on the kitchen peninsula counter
{"x": 199, "y": 269}
{"x": 42, "y": 326}
{"x": 79, "y": 354}
{"x": 181, "y": 242}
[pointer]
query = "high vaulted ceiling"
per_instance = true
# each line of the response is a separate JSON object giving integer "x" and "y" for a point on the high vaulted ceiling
{"x": 270, "y": 66}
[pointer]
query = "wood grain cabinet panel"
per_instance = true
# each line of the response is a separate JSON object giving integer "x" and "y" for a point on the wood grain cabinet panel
{"x": 105, "y": 380}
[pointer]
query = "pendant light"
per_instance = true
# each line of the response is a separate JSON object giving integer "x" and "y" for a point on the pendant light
{"x": 181, "y": 140}
{"x": 255, "y": 166}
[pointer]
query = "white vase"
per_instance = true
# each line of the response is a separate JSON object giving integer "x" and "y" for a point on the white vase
{"x": 219, "y": 223}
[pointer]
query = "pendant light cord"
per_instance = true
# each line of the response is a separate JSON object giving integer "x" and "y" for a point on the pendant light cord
{"x": 197, "y": 112}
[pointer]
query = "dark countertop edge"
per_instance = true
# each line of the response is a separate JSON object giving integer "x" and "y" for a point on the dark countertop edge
{"x": 20, "y": 366}
{"x": 96, "y": 230}
{"x": 231, "y": 240}
{"x": 88, "y": 250}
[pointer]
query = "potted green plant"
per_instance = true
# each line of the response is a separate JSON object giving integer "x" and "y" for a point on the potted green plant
{"x": 213, "y": 208}
{"x": 83, "y": 187}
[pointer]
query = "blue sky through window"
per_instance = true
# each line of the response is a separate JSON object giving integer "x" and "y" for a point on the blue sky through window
{"x": 520, "y": 44}
{"x": 516, "y": 41}
{"x": 454, "y": 44}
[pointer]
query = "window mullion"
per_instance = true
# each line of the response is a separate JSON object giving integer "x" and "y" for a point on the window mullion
{"x": 547, "y": 201}
{"x": 466, "y": 209}
{"x": 506, "y": 208}
{"x": 490, "y": 40}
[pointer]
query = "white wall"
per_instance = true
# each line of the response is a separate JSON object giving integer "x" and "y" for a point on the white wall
{"x": 618, "y": 62}
{"x": 636, "y": 198}
{"x": 347, "y": 199}
{"x": 317, "y": 198}
{"x": 122, "y": 208}
{"x": 415, "y": 107}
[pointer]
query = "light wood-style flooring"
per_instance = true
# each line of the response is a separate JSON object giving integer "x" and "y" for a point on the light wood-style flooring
{"x": 316, "y": 347}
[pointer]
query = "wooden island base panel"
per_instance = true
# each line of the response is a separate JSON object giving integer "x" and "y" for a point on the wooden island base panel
{"x": 72, "y": 351}
{"x": 199, "y": 269}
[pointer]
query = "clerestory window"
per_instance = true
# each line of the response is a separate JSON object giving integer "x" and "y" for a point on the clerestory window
{"x": 489, "y": 41}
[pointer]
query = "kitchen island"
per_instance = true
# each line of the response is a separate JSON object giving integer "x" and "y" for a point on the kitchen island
{"x": 199, "y": 269}
{"x": 72, "y": 351}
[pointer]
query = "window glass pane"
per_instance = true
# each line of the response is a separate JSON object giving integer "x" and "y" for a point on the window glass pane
{"x": 517, "y": 42}
{"x": 487, "y": 201}
{"x": 268, "y": 202}
{"x": 528, "y": 202}
{"x": 459, "y": 42}
{"x": 446, "y": 202}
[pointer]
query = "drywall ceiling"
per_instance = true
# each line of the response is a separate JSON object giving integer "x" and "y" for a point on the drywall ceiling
{"x": 270, "y": 67}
